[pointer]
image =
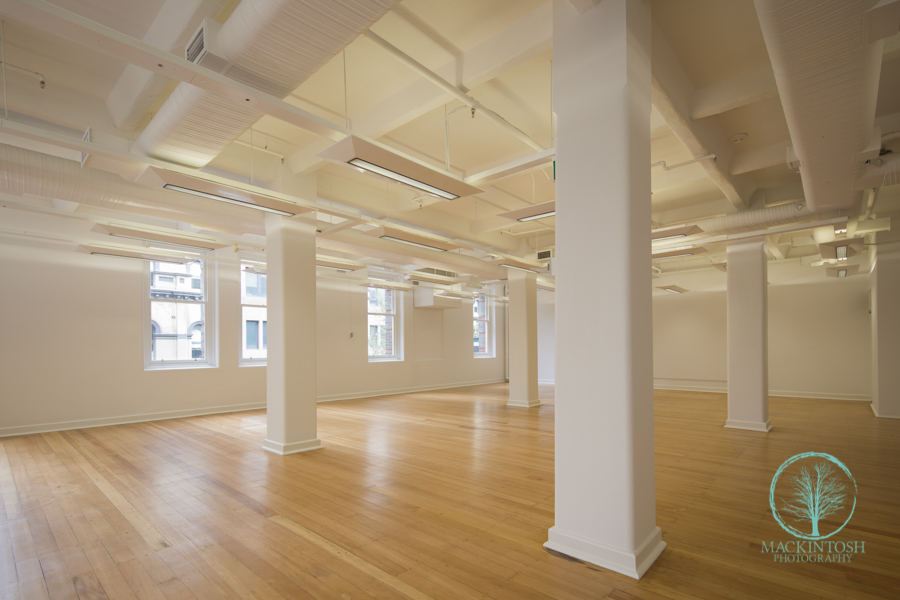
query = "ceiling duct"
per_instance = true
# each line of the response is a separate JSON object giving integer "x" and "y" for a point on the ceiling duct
{"x": 270, "y": 45}
{"x": 27, "y": 172}
{"x": 827, "y": 76}
{"x": 750, "y": 220}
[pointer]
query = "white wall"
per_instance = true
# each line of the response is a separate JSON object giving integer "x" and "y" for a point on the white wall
{"x": 819, "y": 340}
{"x": 71, "y": 352}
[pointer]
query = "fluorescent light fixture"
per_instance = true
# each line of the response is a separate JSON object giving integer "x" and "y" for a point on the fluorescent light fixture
{"x": 530, "y": 213}
{"x": 673, "y": 289}
{"x": 842, "y": 271}
{"x": 387, "y": 285}
{"x": 674, "y": 232}
{"x": 428, "y": 189}
{"x": 841, "y": 252}
{"x": 380, "y": 160}
{"x": 134, "y": 254}
{"x": 327, "y": 262}
{"x": 428, "y": 277}
{"x": 223, "y": 190}
{"x": 173, "y": 249}
{"x": 411, "y": 239}
{"x": 677, "y": 253}
{"x": 172, "y": 238}
{"x": 511, "y": 263}
{"x": 453, "y": 294}
{"x": 245, "y": 203}
{"x": 839, "y": 229}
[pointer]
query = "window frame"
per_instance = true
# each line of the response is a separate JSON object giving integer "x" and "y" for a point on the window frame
{"x": 396, "y": 329}
{"x": 209, "y": 312}
{"x": 490, "y": 347}
{"x": 262, "y": 329}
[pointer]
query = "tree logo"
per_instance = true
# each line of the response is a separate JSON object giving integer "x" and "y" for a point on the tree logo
{"x": 808, "y": 489}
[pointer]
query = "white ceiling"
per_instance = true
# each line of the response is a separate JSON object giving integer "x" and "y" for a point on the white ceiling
{"x": 718, "y": 45}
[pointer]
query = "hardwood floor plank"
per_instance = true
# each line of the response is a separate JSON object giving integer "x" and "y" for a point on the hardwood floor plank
{"x": 444, "y": 494}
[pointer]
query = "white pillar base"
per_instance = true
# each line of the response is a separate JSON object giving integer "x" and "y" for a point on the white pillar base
{"x": 749, "y": 425}
{"x": 523, "y": 403}
{"x": 880, "y": 416}
{"x": 633, "y": 564}
{"x": 292, "y": 448}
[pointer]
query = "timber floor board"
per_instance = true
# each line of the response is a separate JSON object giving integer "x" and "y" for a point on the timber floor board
{"x": 434, "y": 495}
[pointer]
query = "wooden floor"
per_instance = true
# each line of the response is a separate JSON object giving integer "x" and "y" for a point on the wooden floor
{"x": 443, "y": 494}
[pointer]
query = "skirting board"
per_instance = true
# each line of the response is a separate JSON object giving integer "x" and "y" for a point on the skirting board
{"x": 292, "y": 448}
{"x": 409, "y": 390}
{"x": 875, "y": 412}
{"x": 634, "y": 564}
{"x": 196, "y": 412}
{"x": 523, "y": 403}
{"x": 123, "y": 420}
{"x": 721, "y": 387}
{"x": 749, "y": 425}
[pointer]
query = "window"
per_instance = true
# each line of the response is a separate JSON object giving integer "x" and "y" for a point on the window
{"x": 253, "y": 314}
{"x": 481, "y": 315}
{"x": 178, "y": 314}
{"x": 383, "y": 333}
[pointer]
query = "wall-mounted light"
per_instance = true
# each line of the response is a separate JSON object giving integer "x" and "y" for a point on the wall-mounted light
{"x": 380, "y": 160}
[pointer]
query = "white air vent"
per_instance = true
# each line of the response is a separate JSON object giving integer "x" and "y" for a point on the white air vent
{"x": 203, "y": 49}
{"x": 440, "y": 272}
{"x": 545, "y": 254}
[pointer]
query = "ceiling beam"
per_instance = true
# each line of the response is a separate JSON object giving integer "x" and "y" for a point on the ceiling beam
{"x": 747, "y": 87}
{"x": 68, "y": 25}
{"x": 672, "y": 93}
{"x": 773, "y": 155}
{"x": 526, "y": 38}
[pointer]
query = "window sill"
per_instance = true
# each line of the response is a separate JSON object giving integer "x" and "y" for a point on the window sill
{"x": 385, "y": 359}
{"x": 178, "y": 365}
{"x": 252, "y": 363}
{"x": 485, "y": 356}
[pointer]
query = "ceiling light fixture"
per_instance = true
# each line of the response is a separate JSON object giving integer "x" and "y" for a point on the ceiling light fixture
{"x": 411, "y": 239}
{"x": 677, "y": 253}
{"x": 541, "y": 210}
{"x": 245, "y": 203}
{"x": 841, "y": 252}
{"x": 134, "y": 254}
{"x": 221, "y": 190}
{"x": 382, "y": 161}
{"x": 659, "y": 235}
{"x": 173, "y": 239}
{"x": 673, "y": 289}
{"x": 842, "y": 273}
{"x": 511, "y": 263}
{"x": 338, "y": 265}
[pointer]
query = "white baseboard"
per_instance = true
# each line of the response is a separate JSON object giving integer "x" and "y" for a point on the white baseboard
{"x": 523, "y": 403}
{"x": 291, "y": 448}
{"x": 634, "y": 563}
{"x": 547, "y": 381}
{"x": 749, "y": 425}
{"x": 721, "y": 387}
{"x": 881, "y": 416}
{"x": 123, "y": 420}
{"x": 407, "y": 390}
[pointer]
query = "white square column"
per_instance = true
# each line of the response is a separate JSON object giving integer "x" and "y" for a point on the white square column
{"x": 885, "y": 303}
{"x": 291, "y": 364}
{"x": 605, "y": 485}
{"x": 523, "y": 355}
{"x": 748, "y": 336}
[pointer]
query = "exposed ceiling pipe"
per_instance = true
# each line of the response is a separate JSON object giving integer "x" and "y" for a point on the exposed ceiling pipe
{"x": 269, "y": 45}
{"x": 827, "y": 78}
{"x": 883, "y": 175}
{"x": 27, "y": 172}
{"x": 453, "y": 90}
